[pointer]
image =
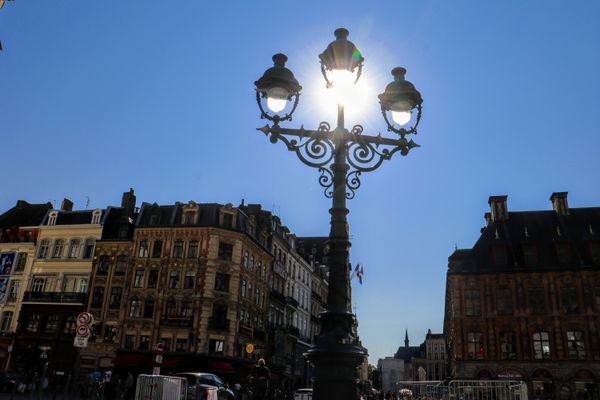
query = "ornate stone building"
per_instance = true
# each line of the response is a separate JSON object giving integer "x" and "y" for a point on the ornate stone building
{"x": 524, "y": 302}
{"x": 198, "y": 284}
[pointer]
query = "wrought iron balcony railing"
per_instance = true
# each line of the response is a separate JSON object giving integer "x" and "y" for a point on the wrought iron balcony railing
{"x": 54, "y": 297}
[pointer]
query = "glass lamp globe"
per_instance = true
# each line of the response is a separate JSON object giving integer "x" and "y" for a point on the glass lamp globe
{"x": 277, "y": 99}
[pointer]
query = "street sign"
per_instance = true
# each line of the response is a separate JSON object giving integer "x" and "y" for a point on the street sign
{"x": 83, "y": 330}
{"x": 85, "y": 318}
{"x": 158, "y": 359}
{"x": 80, "y": 341}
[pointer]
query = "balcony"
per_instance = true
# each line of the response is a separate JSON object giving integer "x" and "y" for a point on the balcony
{"x": 277, "y": 295}
{"x": 54, "y": 297}
{"x": 292, "y": 302}
{"x": 279, "y": 269}
{"x": 182, "y": 322}
{"x": 218, "y": 324}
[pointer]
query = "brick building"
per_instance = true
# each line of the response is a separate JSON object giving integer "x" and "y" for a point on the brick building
{"x": 524, "y": 301}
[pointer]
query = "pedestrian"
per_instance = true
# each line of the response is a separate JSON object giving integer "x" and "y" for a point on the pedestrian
{"x": 129, "y": 386}
{"x": 261, "y": 377}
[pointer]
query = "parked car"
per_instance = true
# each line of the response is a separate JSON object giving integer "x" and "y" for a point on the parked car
{"x": 303, "y": 394}
{"x": 198, "y": 384}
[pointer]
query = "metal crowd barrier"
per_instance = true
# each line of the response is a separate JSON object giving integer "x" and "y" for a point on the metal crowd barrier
{"x": 158, "y": 387}
{"x": 462, "y": 390}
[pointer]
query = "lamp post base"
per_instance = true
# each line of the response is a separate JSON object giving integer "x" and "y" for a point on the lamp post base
{"x": 336, "y": 357}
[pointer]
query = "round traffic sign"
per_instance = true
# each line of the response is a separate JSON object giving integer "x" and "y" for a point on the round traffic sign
{"x": 249, "y": 348}
{"x": 84, "y": 318}
{"x": 83, "y": 330}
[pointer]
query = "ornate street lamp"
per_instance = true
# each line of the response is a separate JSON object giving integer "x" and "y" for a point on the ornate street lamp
{"x": 340, "y": 156}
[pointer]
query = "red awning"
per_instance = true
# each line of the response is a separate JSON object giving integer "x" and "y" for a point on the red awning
{"x": 128, "y": 360}
{"x": 221, "y": 367}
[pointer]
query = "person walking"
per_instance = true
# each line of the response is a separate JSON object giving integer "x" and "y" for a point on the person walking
{"x": 261, "y": 377}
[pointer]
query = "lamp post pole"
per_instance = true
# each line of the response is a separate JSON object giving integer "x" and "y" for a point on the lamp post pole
{"x": 341, "y": 156}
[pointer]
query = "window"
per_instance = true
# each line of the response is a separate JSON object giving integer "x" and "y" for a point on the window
{"x": 504, "y": 302}
{"x": 138, "y": 280}
{"x": 541, "y": 345}
{"x": 537, "y": 303}
{"x": 222, "y": 282}
{"x": 475, "y": 346}
{"x": 134, "y": 308}
{"x": 215, "y": 346}
{"x": 57, "y": 250}
{"x": 530, "y": 254}
{"x": 7, "y": 317}
{"x": 38, "y": 285}
{"x": 507, "y": 346}
{"x": 171, "y": 307}
{"x": 20, "y": 262}
{"x": 144, "y": 342}
{"x": 116, "y": 294}
{"x": 575, "y": 344}
{"x": 157, "y": 249}
{"x": 121, "y": 265}
{"x": 110, "y": 331}
{"x": 181, "y": 344}
{"x": 152, "y": 278}
{"x": 44, "y": 247}
{"x": 129, "y": 342}
{"x": 33, "y": 323}
{"x": 103, "y": 264}
{"x": 188, "y": 282}
{"x": 173, "y": 279}
{"x": 251, "y": 263}
{"x": 74, "y": 246}
{"x": 568, "y": 297}
{"x": 167, "y": 343}
{"x": 149, "y": 307}
{"x": 243, "y": 289}
{"x": 225, "y": 251}
{"x": 88, "y": 249}
{"x": 96, "y": 216}
{"x": 52, "y": 323}
{"x": 192, "y": 249}
{"x": 188, "y": 217}
{"x": 597, "y": 297}
{"x": 178, "y": 249}
{"x": 143, "y": 250}
{"x": 246, "y": 260}
{"x": 563, "y": 253}
{"x": 472, "y": 302}
{"x": 186, "y": 308}
{"x": 52, "y": 218}
{"x": 13, "y": 291}
{"x": 98, "y": 296}
{"x": 70, "y": 325}
{"x": 228, "y": 220}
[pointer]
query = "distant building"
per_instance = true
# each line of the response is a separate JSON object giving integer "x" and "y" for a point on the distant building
{"x": 398, "y": 367}
{"x": 524, "y": 302}
{"x": 431, "y": 363}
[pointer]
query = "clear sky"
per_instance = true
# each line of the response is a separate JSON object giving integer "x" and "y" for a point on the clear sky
{"x": 97, "y": 97}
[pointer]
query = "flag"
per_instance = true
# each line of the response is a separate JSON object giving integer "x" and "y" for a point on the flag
{"x": 360, "y": 272}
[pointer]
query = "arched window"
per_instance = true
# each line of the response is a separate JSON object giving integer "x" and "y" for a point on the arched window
{"x": 74, "y": 247}
{"x": 134, "y": 308}
{"x": 44, "y": 248}
{"x": 143, "y": 251}
{"x": 246, "y": 255}
{"x": 57, "y": 250}
{"x": 96, "y": 216}
{"x": 52, "y": 218}
{"x": 251, "y": 263}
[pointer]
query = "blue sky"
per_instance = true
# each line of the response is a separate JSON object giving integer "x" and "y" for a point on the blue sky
{"x": 97, "y": 97}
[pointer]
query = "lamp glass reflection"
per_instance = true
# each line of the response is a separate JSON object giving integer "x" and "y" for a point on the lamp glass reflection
{"x": 401, "y": 117}
{"x": 277, "y": 99}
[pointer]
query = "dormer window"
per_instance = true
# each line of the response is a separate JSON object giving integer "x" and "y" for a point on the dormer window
{"x": 228, "y": 220}
{"x": 96, "y": 217}
{"x": 189, "y": 217}
{"x": 52, "y": 218}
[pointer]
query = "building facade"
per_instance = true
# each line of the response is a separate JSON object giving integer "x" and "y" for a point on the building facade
{"x": 431, "y": 363}
{"x": 524, "y": 302}
{"x": 56, "y": 289}
{"x": 18, "y": 236}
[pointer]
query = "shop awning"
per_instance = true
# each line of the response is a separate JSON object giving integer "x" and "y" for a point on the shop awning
{"x": 221, "y": 367}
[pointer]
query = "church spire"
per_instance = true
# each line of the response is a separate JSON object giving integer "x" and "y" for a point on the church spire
{"x": 406, "y": 338}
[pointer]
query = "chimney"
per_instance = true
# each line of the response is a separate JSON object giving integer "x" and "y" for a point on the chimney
{"x": 560, "y": 203}
{"x": 128, "y": 202}
{"x": 66, "y": 205}
{"x": 498, "y": 208}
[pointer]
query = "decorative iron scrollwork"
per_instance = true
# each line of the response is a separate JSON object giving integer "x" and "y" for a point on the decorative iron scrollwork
{"x": 326, "y": 181}
{"x": 352, "y": 183}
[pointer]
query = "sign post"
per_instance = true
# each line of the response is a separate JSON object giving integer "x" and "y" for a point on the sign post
{"x": 83, "y": 330}
{"x": 158, "y": 359}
